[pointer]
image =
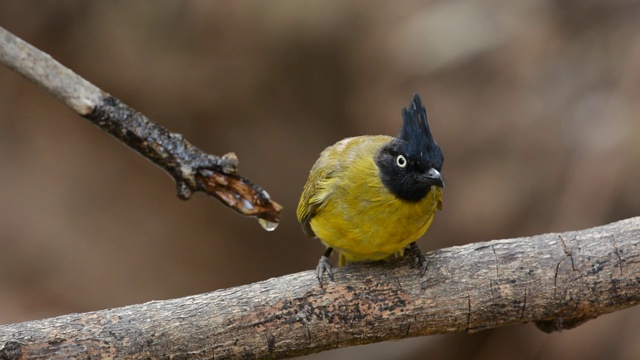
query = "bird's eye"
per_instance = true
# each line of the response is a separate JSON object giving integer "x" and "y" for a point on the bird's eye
{"x": 401, "y": 161}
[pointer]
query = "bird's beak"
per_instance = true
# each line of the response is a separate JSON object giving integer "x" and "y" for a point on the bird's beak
{"x": 435, "y": 177}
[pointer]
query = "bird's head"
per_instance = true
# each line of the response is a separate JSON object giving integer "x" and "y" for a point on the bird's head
{"x": 411, "y": 163}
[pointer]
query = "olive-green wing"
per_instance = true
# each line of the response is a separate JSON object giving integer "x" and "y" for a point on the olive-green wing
{"x": 318, "y": 187}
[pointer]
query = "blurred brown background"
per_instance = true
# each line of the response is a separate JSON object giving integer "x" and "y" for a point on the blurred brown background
{"x": 535, "y": 104}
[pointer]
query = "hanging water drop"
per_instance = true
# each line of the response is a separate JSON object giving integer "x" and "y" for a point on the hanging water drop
{"x": 268, "y": 225}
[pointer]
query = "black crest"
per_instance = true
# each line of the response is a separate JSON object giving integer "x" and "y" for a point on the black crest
{"x": 410, "y": 164}
{"x": 415, "y": 128}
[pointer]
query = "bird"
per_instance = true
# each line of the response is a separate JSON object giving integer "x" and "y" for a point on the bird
{"x": 370, "y": 197}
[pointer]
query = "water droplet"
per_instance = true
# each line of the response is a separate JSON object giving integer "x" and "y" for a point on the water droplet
{"x": 268, "y": 225}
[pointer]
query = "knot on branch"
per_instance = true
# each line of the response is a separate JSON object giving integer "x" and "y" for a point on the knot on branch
{"x": 12, "y": 350}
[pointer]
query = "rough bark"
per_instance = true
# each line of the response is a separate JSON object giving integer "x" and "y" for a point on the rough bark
{"x": 556, "y": 280}
{"x": 192, "y": 169}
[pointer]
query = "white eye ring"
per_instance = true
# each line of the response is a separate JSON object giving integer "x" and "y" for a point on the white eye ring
{"x": 401, "y": 161}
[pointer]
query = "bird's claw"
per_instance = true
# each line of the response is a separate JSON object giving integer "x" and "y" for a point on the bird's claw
{"x": 324, "y": 266}
{"x": 420, "y": 261}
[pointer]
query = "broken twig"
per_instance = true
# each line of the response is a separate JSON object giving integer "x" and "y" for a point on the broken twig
{"x": 191, "y": 168}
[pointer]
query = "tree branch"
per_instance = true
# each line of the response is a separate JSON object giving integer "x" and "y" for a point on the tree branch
{"x": 192, "y": 169}
{"x": 556, "y": 280}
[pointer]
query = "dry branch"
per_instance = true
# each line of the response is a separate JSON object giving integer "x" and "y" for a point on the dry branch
{"x": 556, "y": 280}
{"x": 192, "y": 169}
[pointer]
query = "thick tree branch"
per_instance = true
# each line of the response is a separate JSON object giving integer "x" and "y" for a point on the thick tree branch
{"x": 192, "y": 169}
{"x": 555, "y": 280}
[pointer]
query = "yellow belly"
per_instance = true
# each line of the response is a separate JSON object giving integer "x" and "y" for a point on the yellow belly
{"x": 369, "y": 229}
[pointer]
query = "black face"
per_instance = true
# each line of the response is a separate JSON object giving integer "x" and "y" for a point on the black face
{"x": 411, "y": 163}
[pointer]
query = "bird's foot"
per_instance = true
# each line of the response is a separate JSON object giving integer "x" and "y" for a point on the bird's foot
{"x": 323, "y": 266}
{"x": 420, "y": 261}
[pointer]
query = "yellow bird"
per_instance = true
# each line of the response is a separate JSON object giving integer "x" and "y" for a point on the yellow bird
{"x": 369, "y": 197}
